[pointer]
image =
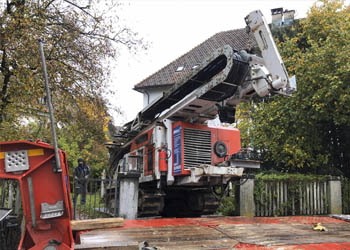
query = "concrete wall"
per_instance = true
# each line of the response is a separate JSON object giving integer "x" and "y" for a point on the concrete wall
{"x": 335, "y": 195}
{"x": 245, "y": 204}
{"x": 128, "y": 196}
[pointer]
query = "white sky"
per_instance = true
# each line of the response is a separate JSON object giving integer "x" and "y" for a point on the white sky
{"x": 173, "y": 28}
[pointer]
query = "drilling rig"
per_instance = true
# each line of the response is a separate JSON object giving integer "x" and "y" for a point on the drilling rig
{"x": 174, "y": 157}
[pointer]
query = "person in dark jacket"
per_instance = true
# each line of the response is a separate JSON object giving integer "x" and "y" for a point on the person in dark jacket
{"x": 81, "y": 175}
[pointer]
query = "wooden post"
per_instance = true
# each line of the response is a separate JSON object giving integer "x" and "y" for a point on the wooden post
{"x": 326, "y": 196}
{"x": 293, "y": 199}
{"x": 271, "y": 198}
{"x": 303, "y": 192}
{"x": 274, "y": 202}
{"x": 317, "y": 197}
{"x": 278, "y": 192}
{"x": 323, "y": 197}
{"x": 307, "y": 198}
{"x": 266, "y": 202}
{"x": 258, "y": 207}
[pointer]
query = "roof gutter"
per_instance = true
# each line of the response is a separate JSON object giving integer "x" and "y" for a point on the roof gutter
{"x": 144, "y": 88}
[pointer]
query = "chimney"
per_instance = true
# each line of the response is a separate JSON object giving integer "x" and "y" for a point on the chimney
{"x": 277, "y": 15}
{"x": 288, "y": 16}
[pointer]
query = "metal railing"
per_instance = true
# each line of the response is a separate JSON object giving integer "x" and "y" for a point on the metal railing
{"x": 95, "y": 198}
{"x": 11, "y": 214}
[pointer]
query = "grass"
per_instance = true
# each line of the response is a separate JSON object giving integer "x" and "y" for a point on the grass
{"x": 89, "y": 210}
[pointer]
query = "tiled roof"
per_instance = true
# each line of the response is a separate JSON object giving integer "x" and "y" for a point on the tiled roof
{"x": 237, "y": 39}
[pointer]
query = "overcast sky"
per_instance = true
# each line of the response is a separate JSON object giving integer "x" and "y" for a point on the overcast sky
{"x": 172, "y": 28}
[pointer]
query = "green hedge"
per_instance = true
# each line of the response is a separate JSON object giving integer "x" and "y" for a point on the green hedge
{"x": 289, "y": 177}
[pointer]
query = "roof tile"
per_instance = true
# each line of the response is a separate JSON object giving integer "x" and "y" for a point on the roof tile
{"x": 238, "y": 39}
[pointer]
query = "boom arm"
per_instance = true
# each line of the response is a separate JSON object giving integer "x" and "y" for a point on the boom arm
{"x": 219, "y": 83}
{"x": 267, "y": 74}
{"x": 272, "y": 59}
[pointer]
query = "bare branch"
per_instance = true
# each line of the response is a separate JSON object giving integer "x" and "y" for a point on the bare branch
{"x": 49, "y": 3}
{"x": 81, "y": 8}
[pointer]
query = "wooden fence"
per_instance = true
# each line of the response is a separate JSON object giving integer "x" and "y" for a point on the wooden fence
{"x": 345, "y": 186}
{"x": 278, "y": 198}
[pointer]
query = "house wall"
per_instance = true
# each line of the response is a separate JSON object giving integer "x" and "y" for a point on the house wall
{"x": 151, "y": 94}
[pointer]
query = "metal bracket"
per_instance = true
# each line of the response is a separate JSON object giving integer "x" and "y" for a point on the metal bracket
{"x": 51, "y": 211}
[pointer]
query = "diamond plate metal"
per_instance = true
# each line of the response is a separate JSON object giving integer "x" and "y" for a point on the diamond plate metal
{"x": 16, "y": 161}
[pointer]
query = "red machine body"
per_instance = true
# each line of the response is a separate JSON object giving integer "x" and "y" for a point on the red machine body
{"x": 47, "y": 222}
{"x": 143, "y": 143}
{"x": 193, "y": 145}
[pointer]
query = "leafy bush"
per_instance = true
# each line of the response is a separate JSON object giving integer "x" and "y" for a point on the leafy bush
{"x": 227, "y": 206}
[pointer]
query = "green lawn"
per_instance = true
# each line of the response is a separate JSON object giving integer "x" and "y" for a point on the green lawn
{"x": 90, "y": 209}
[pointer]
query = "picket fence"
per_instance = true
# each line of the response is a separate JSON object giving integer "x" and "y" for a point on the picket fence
{"x": 282, "y": 198}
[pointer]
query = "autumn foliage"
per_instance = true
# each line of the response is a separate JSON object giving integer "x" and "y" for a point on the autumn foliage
{"x": 80, "y": 38}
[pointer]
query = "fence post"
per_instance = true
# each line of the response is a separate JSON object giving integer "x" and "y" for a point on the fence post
{"x": 102, "y": 183}
{"x": 128, "y": 194}
{"x": 18, "y": 202}
{"x": 246, "y": 206}
{"x": 116, "y": 201}
{"x": 10, "y": 200}
{"x": 335, "y": 197}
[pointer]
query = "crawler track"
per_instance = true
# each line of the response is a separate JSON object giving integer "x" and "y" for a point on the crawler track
{"x": 189, "y": 202}
{"x": 151, "y": 203}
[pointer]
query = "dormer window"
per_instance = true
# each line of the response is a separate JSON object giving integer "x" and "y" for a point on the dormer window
{"x": 180, "y": 68}
{"x": 195, "y": 66}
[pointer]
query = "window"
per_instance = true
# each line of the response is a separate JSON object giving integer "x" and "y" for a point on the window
{"x": 180, "y": 68}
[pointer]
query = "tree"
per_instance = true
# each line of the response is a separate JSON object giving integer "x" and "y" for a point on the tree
{"x": 244, "y": 123}
{"x": 311, "y": 130}
{"x": 80, "y": 38}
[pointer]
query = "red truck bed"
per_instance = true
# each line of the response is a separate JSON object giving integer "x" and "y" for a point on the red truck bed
{"x": 222, "y": 233}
